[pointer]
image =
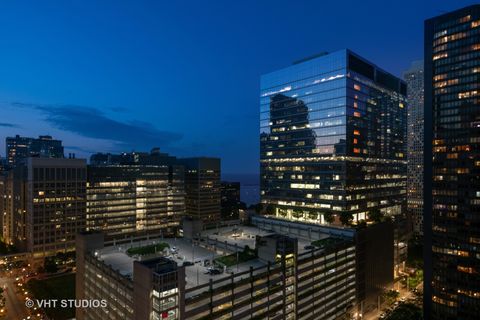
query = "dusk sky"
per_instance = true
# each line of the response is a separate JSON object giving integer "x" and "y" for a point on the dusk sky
{"x": 115, "y": 76}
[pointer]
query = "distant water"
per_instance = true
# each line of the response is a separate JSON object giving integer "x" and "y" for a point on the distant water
{"x": 249, "y": 186}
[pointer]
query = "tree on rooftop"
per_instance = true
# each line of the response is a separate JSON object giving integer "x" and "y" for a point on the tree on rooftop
{"x": 328, "y": 216}
{"x": 375, "y": 215}
{"x": 313, "y": 215}
{"x": 270, "y": 209}
{"x": 297, "y": 213}
{"x": 282, "y": 212}
{"x": 346, "y": 218}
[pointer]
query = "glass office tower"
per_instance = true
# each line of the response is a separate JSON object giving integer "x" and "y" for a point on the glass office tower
{"x": 452, "y": 184}
{"x": 332, "y": 140}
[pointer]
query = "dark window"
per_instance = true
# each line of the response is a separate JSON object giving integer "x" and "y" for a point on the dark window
{"x": 387, "y": 80}
{"x": 403, "y": 88}
{"x": 361, "y": 67}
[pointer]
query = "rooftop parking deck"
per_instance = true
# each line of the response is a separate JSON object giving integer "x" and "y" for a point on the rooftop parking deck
{"x": 236, "y": 235}
{"x": 198, "y": 256}
{"x": 197, "y": 259}
{"x": 180, "y": 251}
{"x": 241, "y": 236}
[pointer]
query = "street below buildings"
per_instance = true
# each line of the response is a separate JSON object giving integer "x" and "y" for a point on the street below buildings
{"x": 404, "y": 296}
{"x": 15, "y": 306}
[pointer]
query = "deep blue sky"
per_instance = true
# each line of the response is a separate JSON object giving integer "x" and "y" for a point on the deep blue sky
{"x": 181, "y": 75}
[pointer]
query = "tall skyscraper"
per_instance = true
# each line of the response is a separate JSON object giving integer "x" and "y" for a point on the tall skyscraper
{"x": 18, "y": 148}
{"x": 452, "y": 184}
{"x": 47, "y": 207}
{"x": 332, "y": 139}
{"x": 202, "y": 188}
{"x": 414, "y": 78}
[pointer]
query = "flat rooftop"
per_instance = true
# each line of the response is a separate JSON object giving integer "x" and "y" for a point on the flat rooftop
{"x": 213, "y": 243}
{"x": 237, "y": 235}
{"x": 245, "y": 235}
{"x": 195, "y": 275}
{"x": 118, "y": 259}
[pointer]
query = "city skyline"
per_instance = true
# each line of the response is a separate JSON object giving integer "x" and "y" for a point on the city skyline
{"x": 276, "y": 160}
{"x": 138, "y": 91}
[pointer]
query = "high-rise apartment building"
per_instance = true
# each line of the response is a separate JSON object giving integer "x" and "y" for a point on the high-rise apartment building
{"x": 3, "y": 164}
{"x": 3, "y": 199}
{"x": 135, "y": 200}
{"x": 202, "y": 188}
{"x": 7, "y": 227}
{"x": 230, "y": 200}
{"x": 452, "y": 165}
{"x": 332, "y": 139}
{"x": 46, "y": 208}
{"x": 18, "y": 148}
{"x": 414, "y": 78}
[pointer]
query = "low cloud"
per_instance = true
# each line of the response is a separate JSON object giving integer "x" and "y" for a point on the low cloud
{"x": 9, "y": 125}
{"x": 93, "y": 123}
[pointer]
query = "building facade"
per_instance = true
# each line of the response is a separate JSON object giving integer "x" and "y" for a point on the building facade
{"x": 46, "y": 208}
{"x": 374, "y": 252}
{"x": 154, "y": 157}
{"x": 332, "y": 140}
{"x": 230, "y": 192}
{"x": 202, "y": 188}
{"x": 452, "y": 187}
{"x": 312, "y": 285}
{"x": 282, "y": 282}
{"x": 149, "y": 291}
{"x": 18, "y": 148}
{"x": 414, "y": 78}
{"x": 3, "y": 200}
{"x": 135, "y": 200}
